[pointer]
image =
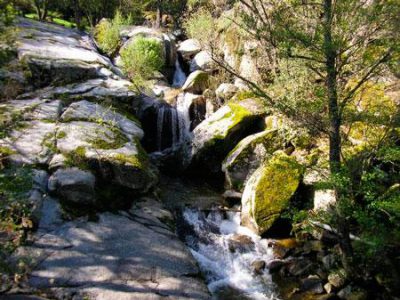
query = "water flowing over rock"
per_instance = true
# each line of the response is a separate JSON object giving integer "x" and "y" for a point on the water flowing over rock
{"x": 179, "y": 76}
{"x": 172, "y": 128}
{"x": 268, "y": 192}
{"x": 227, "y": 257}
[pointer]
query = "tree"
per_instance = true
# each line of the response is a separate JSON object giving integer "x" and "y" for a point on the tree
{"x": 344, "y": 44}
{"x": 41, "y": 7}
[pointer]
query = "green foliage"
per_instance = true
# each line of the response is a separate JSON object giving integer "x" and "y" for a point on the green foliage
{"x": 195, "y": 4}
{"x": 107, "y": 33}
{"x": 7, "y": 13}
{"x": 15, "y": 208}
{"x": 141, "y": 59}
{"x": 77, "y": 158}
{"x": 201, "y": 26}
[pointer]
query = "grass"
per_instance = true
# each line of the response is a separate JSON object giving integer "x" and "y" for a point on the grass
{"x": 54, "y": 19}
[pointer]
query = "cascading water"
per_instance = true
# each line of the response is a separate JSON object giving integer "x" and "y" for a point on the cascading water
{"x": 225, "y": 262}
{"x": 179, "y": 76}
{"x": 170, "y": 128}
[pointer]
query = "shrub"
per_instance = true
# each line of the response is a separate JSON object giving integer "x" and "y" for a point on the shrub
{"x": 194, "y": 4}
{"x": 107, "y": 35}
{"x": 201, "y": 26}
{"x": 15, "y": 208}
{"x": 141, "y": 58}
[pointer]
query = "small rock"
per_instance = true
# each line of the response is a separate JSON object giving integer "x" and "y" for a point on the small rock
{"x": 275, "y": 265}
{"x": 241, "y": 243}
{"x": 328, "y": 288}
{"x": 281, "y": 248}
{"x": 312, "y": 284}
{"x": 231, "y": 194}
{"x": 337, "y": 279}
{"x": 258, "y": 266}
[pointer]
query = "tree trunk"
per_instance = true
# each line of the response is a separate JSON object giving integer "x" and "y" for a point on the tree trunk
{"x": 159, "y": 14}
{"x": 78, "y": 14}
{"x": 44, "y": 10}
{"x": 334, "y": 132}
{"x": 38, "y": 10}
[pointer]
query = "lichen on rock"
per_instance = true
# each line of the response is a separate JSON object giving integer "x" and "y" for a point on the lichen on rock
{"x": 269, "y": 190}
{"x": 215, "y": 137}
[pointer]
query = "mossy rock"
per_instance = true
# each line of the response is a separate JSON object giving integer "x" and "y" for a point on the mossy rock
{"x": 107, "y": 151}
{"x": 215, "y": 137}
{"x": 196, "y": 83}
{"x": 248, "y": 155}
{"x": 269, "y": 190}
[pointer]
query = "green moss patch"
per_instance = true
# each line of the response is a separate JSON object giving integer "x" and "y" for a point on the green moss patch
{"x": 279, "y": 180}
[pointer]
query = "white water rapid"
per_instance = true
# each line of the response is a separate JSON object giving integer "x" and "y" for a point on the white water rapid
{"x": 226, "y": 263}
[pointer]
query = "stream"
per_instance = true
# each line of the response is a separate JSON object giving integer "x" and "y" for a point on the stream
{"x": 232, "y": 259}
{"x": 227, "y": 254}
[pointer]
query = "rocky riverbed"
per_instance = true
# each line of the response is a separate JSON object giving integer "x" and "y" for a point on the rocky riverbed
{"x": 110, "y": 220}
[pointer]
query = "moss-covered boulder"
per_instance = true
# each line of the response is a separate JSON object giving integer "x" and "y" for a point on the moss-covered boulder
{"x": 248, "y": 155}
{"x": 196, "y": 83}
{"x": 268, "y": 192}
{"x": 215, "y": 137}
{"x": 114, "y": 155}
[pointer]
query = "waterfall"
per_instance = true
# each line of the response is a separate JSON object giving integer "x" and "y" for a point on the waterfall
{"x": 172, "y": 128}
{"x": 183, "y": 104}
{"x": 226, "y": 251}
{"x": 179, "y": 75}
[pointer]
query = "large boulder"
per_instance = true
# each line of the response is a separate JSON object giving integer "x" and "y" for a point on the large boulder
{"x": 215, "y": 137}
{"x": 55, "y": 54}
{"x": 189, "y": 48}
{"x": 248, "y": 155}
{"x": 196, "y": 83}
{"x": 85, "y": 110}
{"x": 117, "y": 157}
{"x": 87, "y": 135}
{"x": 268, "y": 192}
{"x": 73, "y": 186}
{"x": 101, "y": 89}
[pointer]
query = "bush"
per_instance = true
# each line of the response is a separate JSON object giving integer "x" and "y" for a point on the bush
{"x": 141, "y": 58}
{"x": 201, "y": 26}
{"x": 107, "y": 35}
